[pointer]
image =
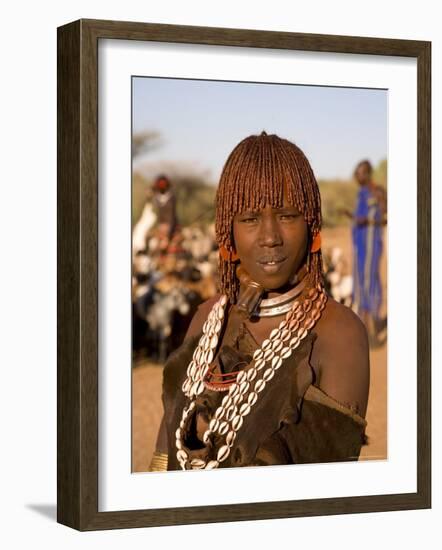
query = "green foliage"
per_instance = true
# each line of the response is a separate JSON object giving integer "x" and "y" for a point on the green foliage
{"x": 195, "y": 200}
{"x": 339, "y": 195}
{"x": 139, "y": 188}
{"x": 380, "y": 173}
{"x": 196, "y": 197}
{"x": 144, "y": 142}
{"x": 336, "y": 195}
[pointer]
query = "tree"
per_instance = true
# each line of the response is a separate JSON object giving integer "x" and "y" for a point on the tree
{"x": 144, "y": 142}
{"x": 380, "y": 173}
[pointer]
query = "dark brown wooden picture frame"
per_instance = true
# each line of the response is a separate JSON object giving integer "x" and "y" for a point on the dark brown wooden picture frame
{"x": 77, "y": 225}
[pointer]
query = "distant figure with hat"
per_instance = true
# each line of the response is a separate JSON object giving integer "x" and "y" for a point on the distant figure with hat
{"x": 164, "y": 202}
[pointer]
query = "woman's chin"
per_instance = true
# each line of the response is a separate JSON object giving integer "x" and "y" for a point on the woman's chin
{"x": 276, "y": 285}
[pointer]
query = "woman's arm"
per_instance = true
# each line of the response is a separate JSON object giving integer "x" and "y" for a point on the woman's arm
{"x": 357, "y": 220}
{"x": 159, "y": 458}
{"x": 341, "y": 357}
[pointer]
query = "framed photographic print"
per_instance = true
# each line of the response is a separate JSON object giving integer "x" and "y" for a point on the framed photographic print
{"x": 227, "y": 265}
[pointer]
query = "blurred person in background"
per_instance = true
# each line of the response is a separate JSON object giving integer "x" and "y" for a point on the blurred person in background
{"x": 369, "y": 219}
{"x": 164, "y": 203}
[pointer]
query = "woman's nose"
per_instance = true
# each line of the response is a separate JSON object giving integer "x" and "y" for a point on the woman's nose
{"x": 269, "y": 234}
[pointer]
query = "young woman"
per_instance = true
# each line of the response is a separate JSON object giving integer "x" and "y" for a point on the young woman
{"x": 272, "y": 370}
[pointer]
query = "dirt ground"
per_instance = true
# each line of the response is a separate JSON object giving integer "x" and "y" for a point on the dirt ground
{"x": 146, "y": 386}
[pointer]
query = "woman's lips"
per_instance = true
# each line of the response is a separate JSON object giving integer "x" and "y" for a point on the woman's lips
{"x": 271, "y": 265}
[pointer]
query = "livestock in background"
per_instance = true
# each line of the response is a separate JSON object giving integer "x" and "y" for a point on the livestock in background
{"x": 168, "y": 287}
{"x": 339, "y": 281}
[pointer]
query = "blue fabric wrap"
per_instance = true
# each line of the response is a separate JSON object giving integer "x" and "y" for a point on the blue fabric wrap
{"x": 367, "y": 251}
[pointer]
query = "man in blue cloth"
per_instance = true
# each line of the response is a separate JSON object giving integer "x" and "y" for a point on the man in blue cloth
{"x": 369, "y": 219}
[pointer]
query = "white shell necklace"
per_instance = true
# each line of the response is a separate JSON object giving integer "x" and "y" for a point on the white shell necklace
{"x": 244, "y": 392}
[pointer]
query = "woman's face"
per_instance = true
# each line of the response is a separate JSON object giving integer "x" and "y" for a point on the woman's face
{"x": 271, "y": 244}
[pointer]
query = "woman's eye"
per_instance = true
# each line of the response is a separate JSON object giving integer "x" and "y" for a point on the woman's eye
{"x": 288, "y": 217}
{"x": 249, "y": 219}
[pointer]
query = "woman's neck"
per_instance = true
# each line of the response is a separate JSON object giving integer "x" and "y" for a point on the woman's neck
{"x": 300, "y": 275}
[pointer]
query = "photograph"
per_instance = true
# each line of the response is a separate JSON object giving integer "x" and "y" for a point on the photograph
{"x": 259, "y": 274}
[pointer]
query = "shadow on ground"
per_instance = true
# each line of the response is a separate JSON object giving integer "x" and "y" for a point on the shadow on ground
{"x": 47, "y": 510}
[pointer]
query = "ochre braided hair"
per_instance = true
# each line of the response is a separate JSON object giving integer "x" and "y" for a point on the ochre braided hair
{"x": 256, "y": 173}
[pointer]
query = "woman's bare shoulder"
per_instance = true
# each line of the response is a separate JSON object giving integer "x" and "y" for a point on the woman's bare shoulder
{"x": 341, "y": 358}
{"x": 340, "y": 322}
{"x": 200, "y": 317}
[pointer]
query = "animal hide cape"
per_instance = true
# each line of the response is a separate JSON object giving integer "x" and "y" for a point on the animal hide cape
{"x": 293, "y": 421}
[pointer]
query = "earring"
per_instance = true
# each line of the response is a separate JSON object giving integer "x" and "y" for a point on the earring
{"x": 316, "y": 244}
{"x": 228, "y": 255}
{"x": 314, "y": 247}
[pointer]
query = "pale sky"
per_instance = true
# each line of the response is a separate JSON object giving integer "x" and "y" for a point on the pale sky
{"x": 201, "y": 121}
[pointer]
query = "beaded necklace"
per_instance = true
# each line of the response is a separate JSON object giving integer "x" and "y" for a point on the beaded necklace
{"x": 244, "y": 390}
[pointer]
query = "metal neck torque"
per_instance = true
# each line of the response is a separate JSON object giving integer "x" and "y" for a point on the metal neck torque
{"x": 280, "y": 304}
{"x": 250, "y": 300}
